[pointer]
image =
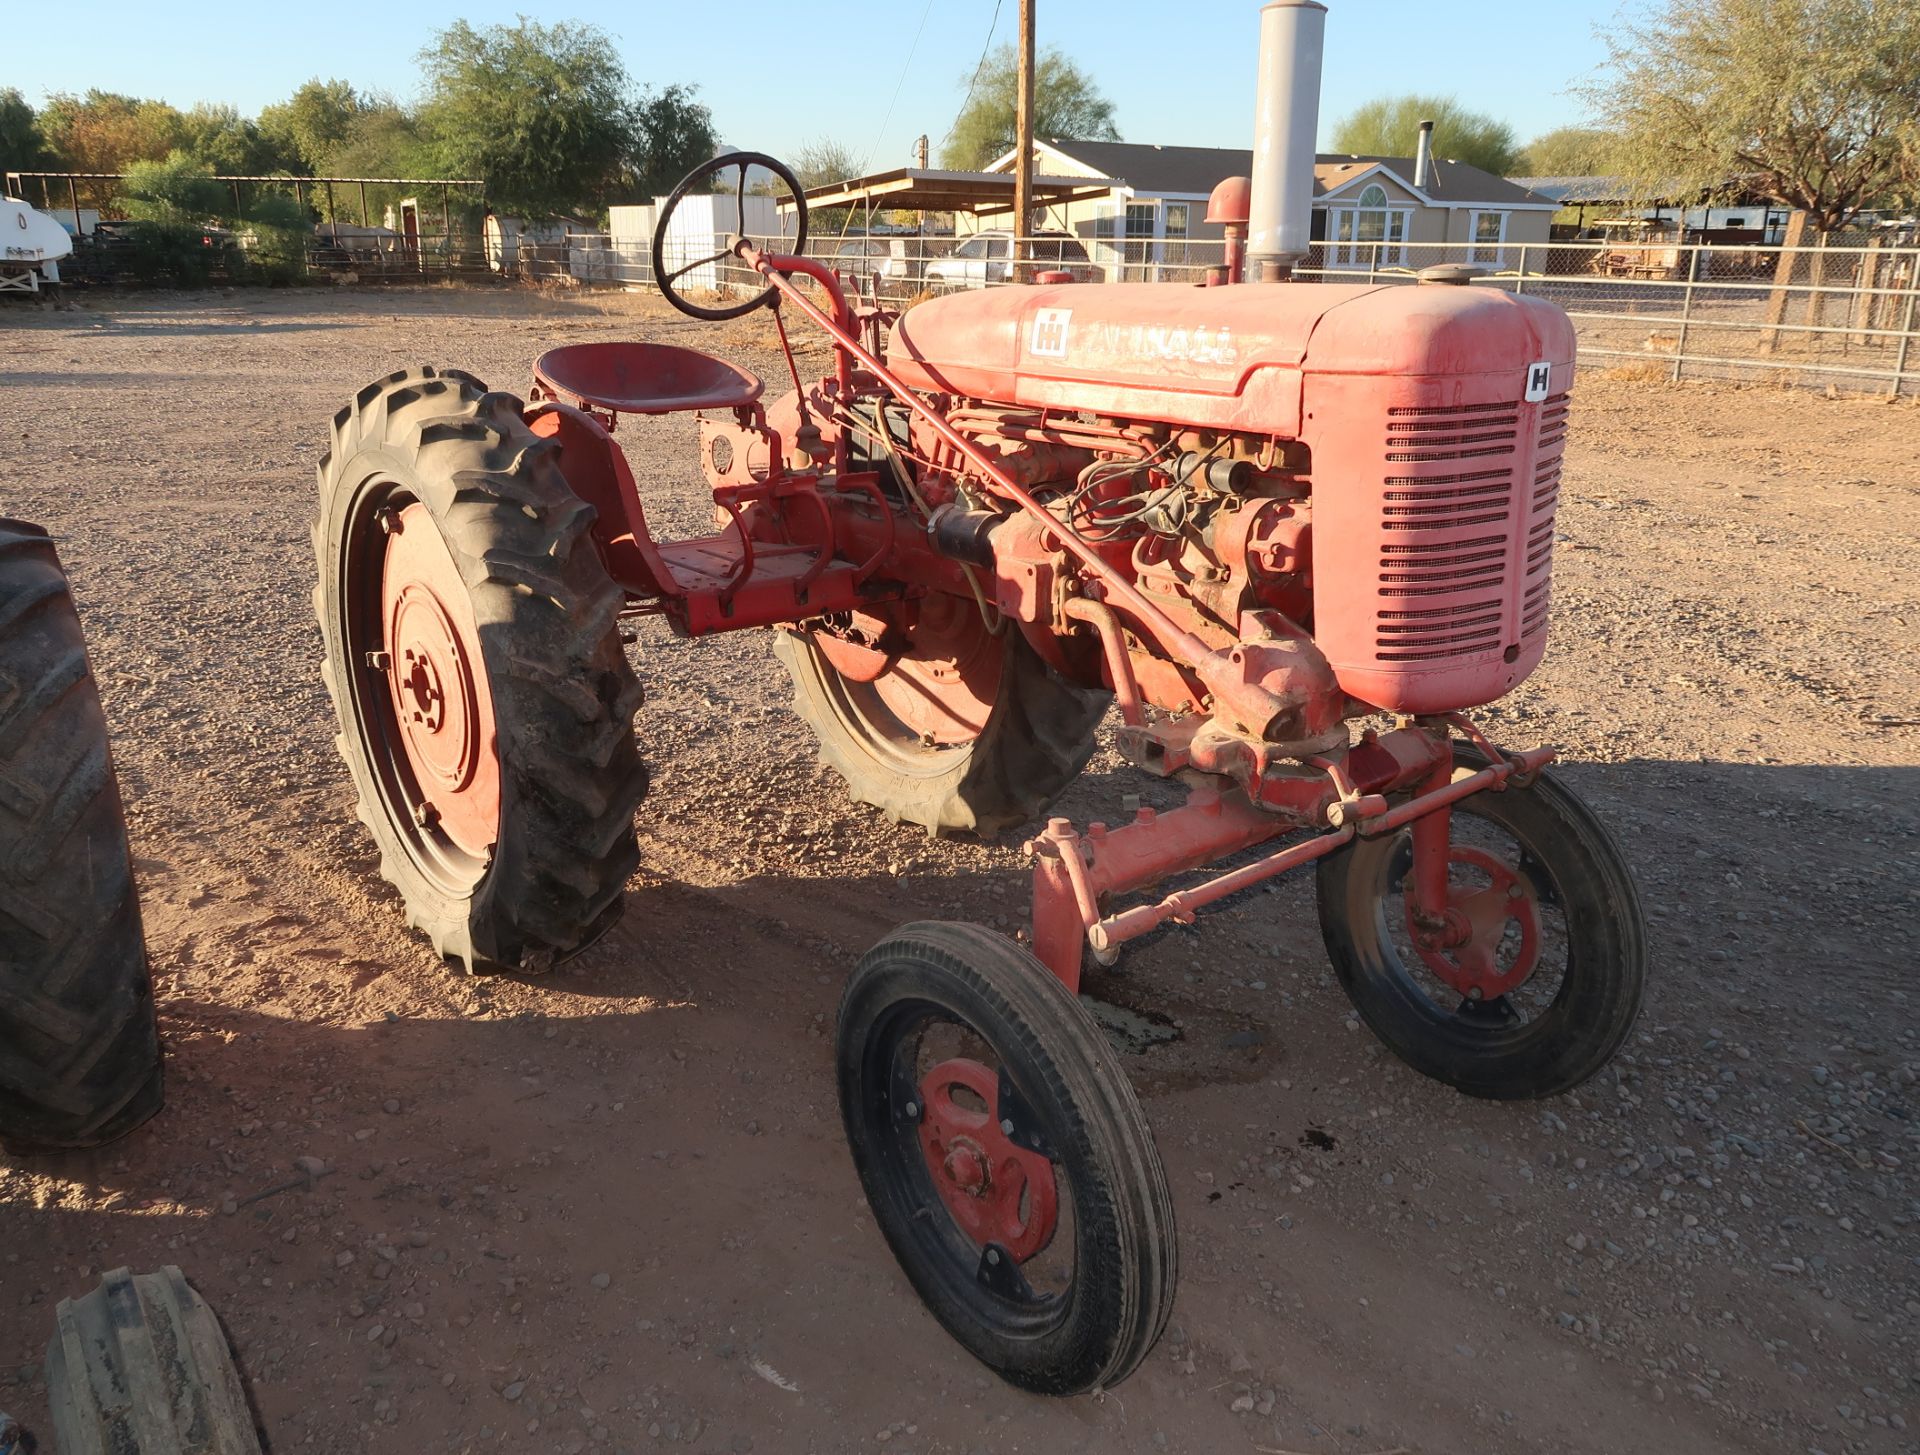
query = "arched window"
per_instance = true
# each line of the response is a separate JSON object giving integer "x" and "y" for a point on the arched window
{"x": 1370, "y": 231}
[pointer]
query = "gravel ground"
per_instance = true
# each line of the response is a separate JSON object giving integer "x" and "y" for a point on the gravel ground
{"x": 611, "y": 1210}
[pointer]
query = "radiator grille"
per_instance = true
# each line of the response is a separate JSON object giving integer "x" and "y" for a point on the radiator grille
{"x": 1454, "y": 506}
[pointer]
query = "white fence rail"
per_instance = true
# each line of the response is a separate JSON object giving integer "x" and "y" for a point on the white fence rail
{"x": 1845, "y": 317}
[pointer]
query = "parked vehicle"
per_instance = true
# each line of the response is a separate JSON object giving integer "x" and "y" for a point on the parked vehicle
{"x": 889, "y": 266}
{"x": 987, "y": 257}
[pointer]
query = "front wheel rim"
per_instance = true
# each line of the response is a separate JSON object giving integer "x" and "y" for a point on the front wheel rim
{"x": 1019, "y": 1284}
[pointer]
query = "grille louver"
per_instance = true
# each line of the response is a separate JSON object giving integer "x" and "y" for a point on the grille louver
{"x": 1453, "y": 507}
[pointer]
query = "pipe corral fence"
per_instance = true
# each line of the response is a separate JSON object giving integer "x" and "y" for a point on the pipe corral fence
{"x": 365, "y": 229}
{"x": 1843, "y": 313}
{"x": 1846, "y": 314}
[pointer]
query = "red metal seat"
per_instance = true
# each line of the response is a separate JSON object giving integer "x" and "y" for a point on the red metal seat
{"x": 633, "y": 378}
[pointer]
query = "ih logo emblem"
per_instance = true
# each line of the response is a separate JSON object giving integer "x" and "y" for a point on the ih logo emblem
{"x": 1539, "y": 380}
{"x": 1048, "y": 339}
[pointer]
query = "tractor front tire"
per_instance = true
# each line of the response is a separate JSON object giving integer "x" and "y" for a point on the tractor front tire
{"x": 79, "y": 1051}
{"x": 485, "y": 703}
{"x": 1037, "y": 737}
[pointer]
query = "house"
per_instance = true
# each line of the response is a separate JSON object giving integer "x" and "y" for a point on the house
{"x": 1156, "y": 206}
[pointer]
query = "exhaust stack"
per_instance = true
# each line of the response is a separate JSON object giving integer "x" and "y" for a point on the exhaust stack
{"x": 1423, "y": 156}
{"x": 1286, "y": 117}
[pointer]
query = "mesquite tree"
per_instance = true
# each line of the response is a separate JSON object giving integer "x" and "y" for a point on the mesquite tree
{"x": 1812, "y": 104}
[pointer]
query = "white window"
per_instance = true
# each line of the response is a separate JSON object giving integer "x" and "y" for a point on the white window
{"x": 1370, "y": 232}
{"x": 1489, "y": 232}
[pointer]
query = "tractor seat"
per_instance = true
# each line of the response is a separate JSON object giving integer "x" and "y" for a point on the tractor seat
{"x": 643, "y": 378}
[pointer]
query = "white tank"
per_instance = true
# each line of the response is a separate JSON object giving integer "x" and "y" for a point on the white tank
{"x": 29, "y": 238}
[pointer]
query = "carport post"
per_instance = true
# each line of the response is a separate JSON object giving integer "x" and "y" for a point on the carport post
{"x": 73, "y": 196}
{"x": 363, "y": 206}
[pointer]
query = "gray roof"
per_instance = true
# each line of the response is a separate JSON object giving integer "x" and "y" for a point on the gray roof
{"x": 1669, "y": 191}
{"x": 1196, "y": 170}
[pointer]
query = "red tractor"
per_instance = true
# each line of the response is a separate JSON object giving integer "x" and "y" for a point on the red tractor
{"x": 1292, "y": 533}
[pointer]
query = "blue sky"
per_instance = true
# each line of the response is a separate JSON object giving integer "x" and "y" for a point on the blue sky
{"x": 853, "y": 70}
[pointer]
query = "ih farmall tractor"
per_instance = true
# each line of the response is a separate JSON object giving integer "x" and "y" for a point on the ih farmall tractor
{"x": 1290, "y": 532}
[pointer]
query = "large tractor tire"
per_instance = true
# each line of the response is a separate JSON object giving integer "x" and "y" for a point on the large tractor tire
{"x": 968, "y": 732}
{"x": 79, "y": 1051}
{"x": 140, "y": 1366}
{"x": 472, "y": 652}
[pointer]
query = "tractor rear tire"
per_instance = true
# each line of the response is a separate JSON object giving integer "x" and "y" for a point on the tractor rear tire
{"x": 142, "y": 1365}
{"x": 534, "y": 868}
{"x": 79, "y": 1050}
{"x": 1037, "y": 738}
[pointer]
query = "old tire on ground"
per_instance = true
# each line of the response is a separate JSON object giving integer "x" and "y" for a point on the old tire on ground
{"x": 1033, "y": 735}
{"x": 141, "y": 1365}
{"x": 1570, "y": 1015}
{"x": 484, "y": 701}
{"x": 1006, "y": 1158}
{"x": 79, "y": 1051}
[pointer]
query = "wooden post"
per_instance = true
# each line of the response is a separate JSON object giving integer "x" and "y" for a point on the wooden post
{"x": 1782, "y": 278}
{"x": 363, "y": 206}
{"x": 1023, "y": 145}
{"x": 1867, "y": 302}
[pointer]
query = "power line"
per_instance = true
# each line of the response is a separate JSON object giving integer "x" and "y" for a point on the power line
{"x": 897, "y": 85}
{"x": 976, "y": 73}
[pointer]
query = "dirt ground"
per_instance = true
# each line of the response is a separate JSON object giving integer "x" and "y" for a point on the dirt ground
{"x": 611, "y": 1210}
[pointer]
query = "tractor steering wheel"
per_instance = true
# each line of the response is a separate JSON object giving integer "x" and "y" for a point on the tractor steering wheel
{"x": 695, "y": 182}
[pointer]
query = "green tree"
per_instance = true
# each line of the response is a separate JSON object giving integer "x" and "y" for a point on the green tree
{"x": 177, "y": 191}
{"x": 822, "y": 161}
{"x": 544, "y": 113}
{"x": 1570, "y": 151}
{"x": 232, "y": 144}
{"x": 22, "y": 147}
{"x": 672, "y": 134}
{"x": 315, "y": 122}
{"x": 104, "y": 131}
{"x": 1813, "y": 104}
{"x": 1390, "y": 127}
{"x": 1066, "y": 104}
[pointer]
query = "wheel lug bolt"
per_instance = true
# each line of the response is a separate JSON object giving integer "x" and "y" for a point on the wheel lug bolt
{"x": 1006, "y": 1127}
{"x": 993, "y": 1256}
{"x": 912, "y": 1109}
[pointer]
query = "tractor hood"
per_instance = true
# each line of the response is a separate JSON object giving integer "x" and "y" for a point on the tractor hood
{"x": 1229, "y": 357}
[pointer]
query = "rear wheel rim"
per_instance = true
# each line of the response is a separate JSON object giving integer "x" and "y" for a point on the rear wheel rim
{"x": 422, "y": 697}
{"x": 934, "y": 699}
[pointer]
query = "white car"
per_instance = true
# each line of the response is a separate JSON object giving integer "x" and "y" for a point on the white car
{"x": 987, "y": 257}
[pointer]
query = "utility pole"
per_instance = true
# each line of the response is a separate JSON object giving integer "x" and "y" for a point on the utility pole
{"x": 1023, "y": 146}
